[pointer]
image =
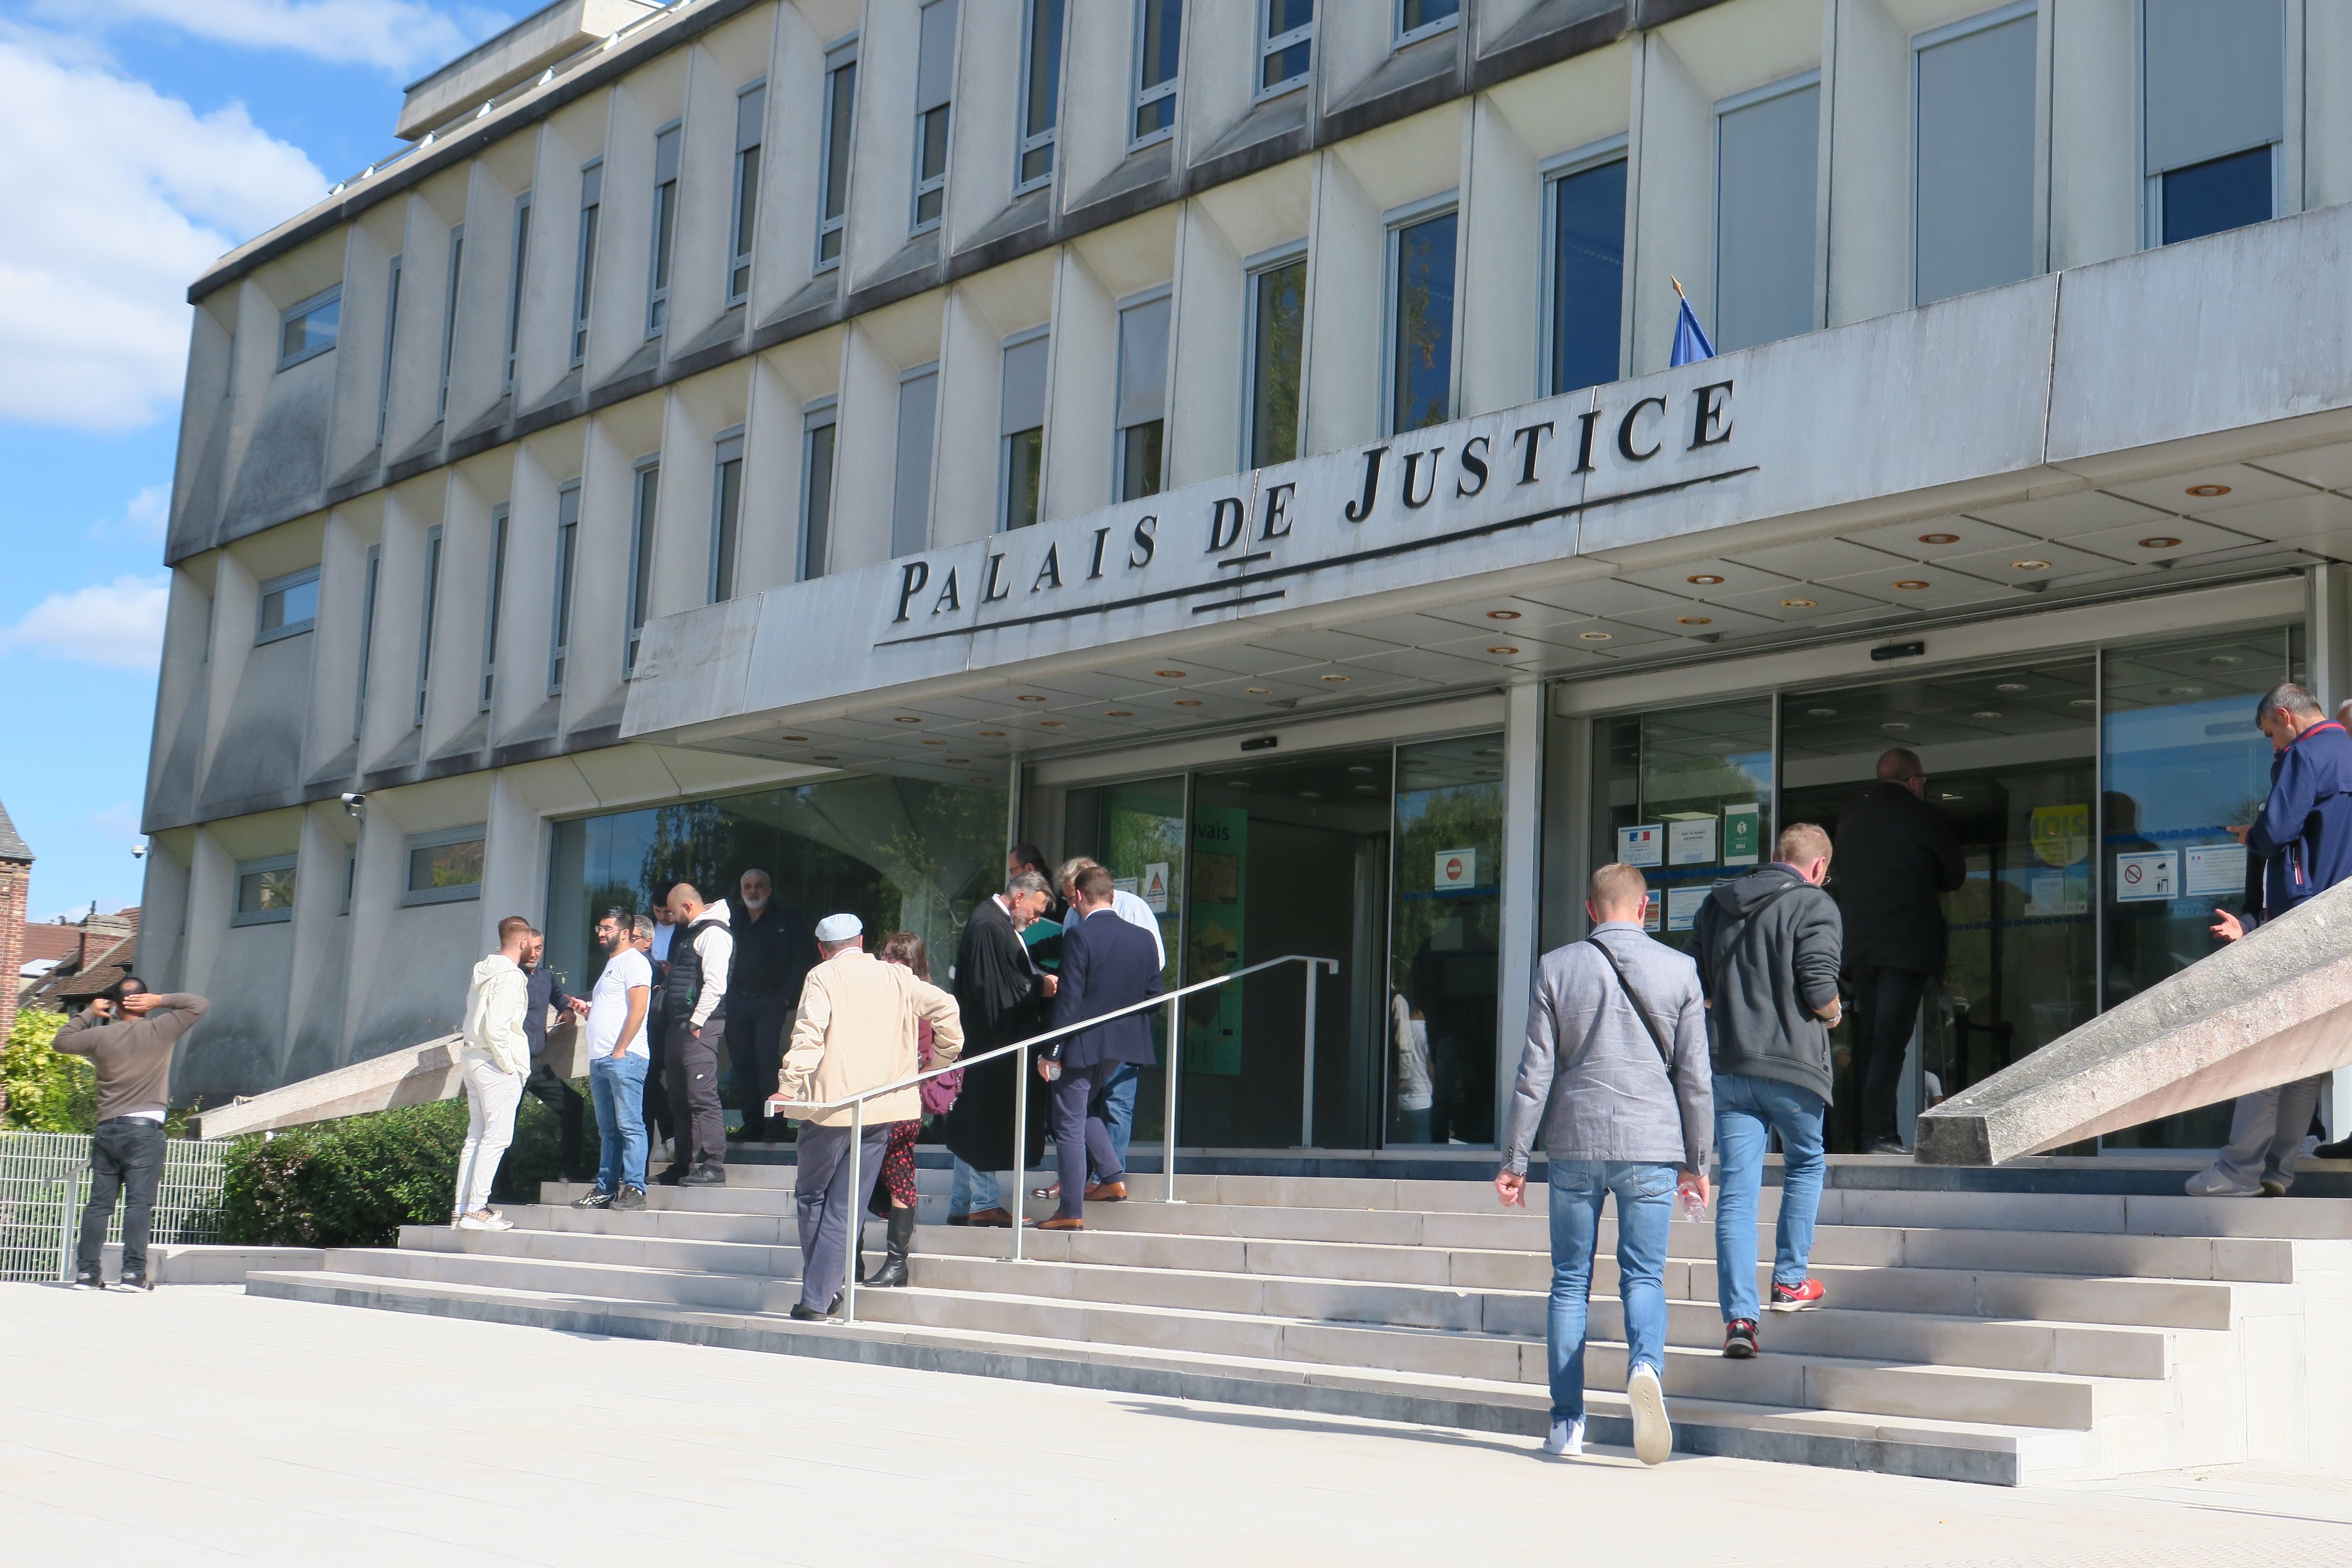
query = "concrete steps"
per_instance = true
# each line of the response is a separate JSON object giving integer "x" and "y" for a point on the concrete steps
{"x": 1986, "y": 1335}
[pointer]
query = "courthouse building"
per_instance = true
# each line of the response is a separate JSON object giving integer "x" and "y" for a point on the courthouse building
{"x": 1237, "y": 439}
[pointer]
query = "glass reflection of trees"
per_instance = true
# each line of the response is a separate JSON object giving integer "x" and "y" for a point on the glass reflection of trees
{"x": 1444, "y": 942}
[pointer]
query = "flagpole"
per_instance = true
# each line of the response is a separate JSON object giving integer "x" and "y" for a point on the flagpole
{"x": 1678, "y": 288}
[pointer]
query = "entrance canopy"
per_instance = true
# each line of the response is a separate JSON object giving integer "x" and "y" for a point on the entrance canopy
{"x": 2177, "y": 417}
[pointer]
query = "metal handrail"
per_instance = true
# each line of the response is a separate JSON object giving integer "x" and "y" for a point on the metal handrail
{"x": 855, "y": 1104}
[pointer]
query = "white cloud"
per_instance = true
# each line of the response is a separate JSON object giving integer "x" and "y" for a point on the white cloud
{"x": 145, "y": 517}
{"x": 119, "y": 625}
{"x": 119, "y": 196}
{"x": 400, "y": 36}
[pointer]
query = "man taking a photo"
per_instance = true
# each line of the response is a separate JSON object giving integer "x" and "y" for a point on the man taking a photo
{"x": 129, "y": 1036}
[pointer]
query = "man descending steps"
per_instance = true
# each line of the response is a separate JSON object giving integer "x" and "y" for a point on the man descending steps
{"x": 1614, "y": 1081}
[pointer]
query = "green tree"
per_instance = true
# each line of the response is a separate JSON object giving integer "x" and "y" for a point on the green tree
{"x": 46, "y": 1091}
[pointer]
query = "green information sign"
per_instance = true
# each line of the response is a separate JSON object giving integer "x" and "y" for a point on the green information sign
{"x": 1740, "y": 833}
{"x": 1212, "y": 1020}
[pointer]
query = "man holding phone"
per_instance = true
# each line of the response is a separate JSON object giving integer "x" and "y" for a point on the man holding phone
{"x": 617, "y": 1059}
{"x": 129, "y": 1034}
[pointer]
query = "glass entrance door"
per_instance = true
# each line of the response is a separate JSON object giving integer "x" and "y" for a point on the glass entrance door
{"x": 1136, "y": 830}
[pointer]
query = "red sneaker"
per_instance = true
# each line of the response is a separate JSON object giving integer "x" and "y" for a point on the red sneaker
{"x": 1739, "y": 1338}
{"x": 1797, "y": 1297}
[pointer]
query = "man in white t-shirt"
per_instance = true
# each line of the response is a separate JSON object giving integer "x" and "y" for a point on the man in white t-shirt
{"x": 617, "y": 1059}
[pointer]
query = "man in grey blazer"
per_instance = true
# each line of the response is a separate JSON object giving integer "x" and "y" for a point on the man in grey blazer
{"x": 1615, "y": 1083}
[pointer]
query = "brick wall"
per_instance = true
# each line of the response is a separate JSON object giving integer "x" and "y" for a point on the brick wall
{"x": 15, "y": 879}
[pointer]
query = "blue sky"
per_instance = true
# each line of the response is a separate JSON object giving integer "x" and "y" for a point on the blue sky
{"x": 143, "y": 138}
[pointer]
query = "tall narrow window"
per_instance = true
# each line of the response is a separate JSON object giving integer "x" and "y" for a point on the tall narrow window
{"x": 934, "y": 88}
{"x": 2214, "y": 102}
{"x": 498, "y": 593}
{"x": 1140, "y": 419}
{"x": 567, "y": 549}
{"x": 1041, "y": 91}
{"x": 751, "y": 111}
{"x": 1767, "y": 148}
{"x": 1421, "y": 322}
{"x": 1278, "y": 343}
{"x": 665, "y": 237}
{"x": 391, "y": 338}
{"x": 1286, "y": 43}
{"x": 583, "y": 264}
{"x": 817, "y": 426}
{"x": 644, "y": 496}
{"x": 367, "y": 637}
{"x": 726, "y": 515}
{"x": 449, "y": 317}
{"x": 309, "y": 330}
{"x": 1020, "y": 424}
{"x": 432, "y": 612}
{"x": 1158, "y": 29}
{"x": 515, "y": 276}
{"x": 1588, "y": 275}
{"x": 910, "y": 489}
{"x": 1417, "y": 19}
{"x": 1972, "y": 183}
{"x": 840, "y": 114}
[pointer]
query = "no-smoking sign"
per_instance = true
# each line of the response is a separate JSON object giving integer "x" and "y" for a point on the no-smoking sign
{"x": 2146, "y": 876}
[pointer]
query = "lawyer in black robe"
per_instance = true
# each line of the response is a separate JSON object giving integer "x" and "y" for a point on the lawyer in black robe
{"x": 1001, "y": 998}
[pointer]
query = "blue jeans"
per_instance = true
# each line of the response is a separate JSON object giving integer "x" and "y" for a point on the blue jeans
{"x": 973, "y": 1189}
{"x": 1746, "y": 1109}
{"x": 617, "y": 1084}
{"x": 1118, "y": 1108}
{"x": 1646, "y": 1209}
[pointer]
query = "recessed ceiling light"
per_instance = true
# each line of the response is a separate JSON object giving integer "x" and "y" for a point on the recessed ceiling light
{"x": 2010, "y": 686}
{"x": 1168, "y": 674}
{"x": 2159, "y": 541}
{"x": 1894, "y": 724}
{"x": 1120, "y": 714}
{"x": 1694, "y": 620}
{"x": 1368, "y": 789}
{"x": 2182, "y": 692}
{"x": 993, "y": 735}
{"x": 2209, "y": 489}
{"x": 1983, "y": 713}
{"x": 1503, "y": 648}
{"x": 929, "y": 742}
{"x": 1594, "y": 636}
{"x": 1502, "y": 615}
{"x": 959, "y": 762}
{"x": 1050, "y": 723}
{"x": 796, "y": 737}
{"x": 904, "y": 719}
{"x": 1490, "y": 750}
{"x": 1188, "y": 702}
{"x": 2029, "y": 567}
{"x": 1822, "y": 712}
{"x": 1259, "y": 690}
{"x": 1939, "y": 539}
{"x": 1026, "y": 698}
{"x": 1796, "y": 604}
{"x": 1338, "y": 679}
{"x": 1908, "y": 584}
{"x": 2223, "y": 659}
{"x": 821, "y": 757}
{"x": 1310, "y": 795}
{"x": 1949, "y": 795}
{"x": 1704, "y": 579}
{"x": 2082, "y": 702}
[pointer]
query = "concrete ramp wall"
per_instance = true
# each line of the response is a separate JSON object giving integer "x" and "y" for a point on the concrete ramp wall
{"x": 2269, "y": 1009}
{"x": 414, "y": 1074}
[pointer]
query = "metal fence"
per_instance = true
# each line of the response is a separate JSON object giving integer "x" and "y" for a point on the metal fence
{"x": 45, "y": 1178}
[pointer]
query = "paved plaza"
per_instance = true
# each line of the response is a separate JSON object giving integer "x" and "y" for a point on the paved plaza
{"x": 198, "y": 1426}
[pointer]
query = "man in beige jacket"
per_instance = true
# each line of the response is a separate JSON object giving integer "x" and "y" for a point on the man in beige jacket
{"x": 856, "y": 1031}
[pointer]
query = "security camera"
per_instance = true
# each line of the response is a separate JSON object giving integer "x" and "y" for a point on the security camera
{"x": 139, "y": 851}
{"x": 356, "y": 804}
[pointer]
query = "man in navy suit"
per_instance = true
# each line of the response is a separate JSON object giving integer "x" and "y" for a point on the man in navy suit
{"x": 1106, "y": 965}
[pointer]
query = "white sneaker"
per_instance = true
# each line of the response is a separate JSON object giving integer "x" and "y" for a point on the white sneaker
{"x": 1566, "y": 1437}
{"x": 470, "y": 1221}
{"x": 2209, "y": 1183}
{"x": 1654, "y": 1435}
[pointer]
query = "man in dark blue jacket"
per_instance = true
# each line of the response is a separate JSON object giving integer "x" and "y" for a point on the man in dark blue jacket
{"x": 1106, "y": 965}
{"x": 2303, "y": 843}
{"x": 545, "y": 1085}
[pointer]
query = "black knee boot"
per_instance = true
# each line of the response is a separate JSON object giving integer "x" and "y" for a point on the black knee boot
{"x": 894, "y": 1261}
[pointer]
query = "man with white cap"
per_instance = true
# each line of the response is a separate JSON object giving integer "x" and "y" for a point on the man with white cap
{"x": 857, "y": 1031}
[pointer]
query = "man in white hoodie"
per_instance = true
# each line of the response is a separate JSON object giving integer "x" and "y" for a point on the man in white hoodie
{"x": 494, "y": 1060}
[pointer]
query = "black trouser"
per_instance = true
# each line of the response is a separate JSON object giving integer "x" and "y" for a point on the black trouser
{"x": 1886, "y": 1009}
{"x": 693, "y": 1074}
{"x": 1079, "y": 1136}
{"x": 126, "y": 1160}
{"x": 755, "y": 1047}
{"x": 560, "y": 1096}
{"x": 659, "y": 1124}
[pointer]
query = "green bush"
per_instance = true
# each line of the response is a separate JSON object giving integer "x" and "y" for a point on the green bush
{"x": 354, "y": 1183}
{"x": 46, "y": 1091}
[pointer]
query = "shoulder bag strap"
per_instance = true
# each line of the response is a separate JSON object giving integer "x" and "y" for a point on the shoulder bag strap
{"x": 1665, "y": 1052}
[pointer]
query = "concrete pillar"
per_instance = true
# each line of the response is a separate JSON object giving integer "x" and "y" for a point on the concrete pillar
{"x": 1523, "y": 790}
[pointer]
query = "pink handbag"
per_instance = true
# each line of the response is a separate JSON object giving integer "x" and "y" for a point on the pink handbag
{"x": 938, "y": 1093}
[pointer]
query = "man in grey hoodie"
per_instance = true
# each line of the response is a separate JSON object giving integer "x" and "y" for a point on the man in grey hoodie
{"x": 1614, "y": 1081}
{"x": 1768, "y": 946}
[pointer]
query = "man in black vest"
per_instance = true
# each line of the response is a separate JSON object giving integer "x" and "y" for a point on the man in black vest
{"x": 1895, "y": 858}
{"x": 694, "y": 1008}
{"x": 773, "y": 953}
